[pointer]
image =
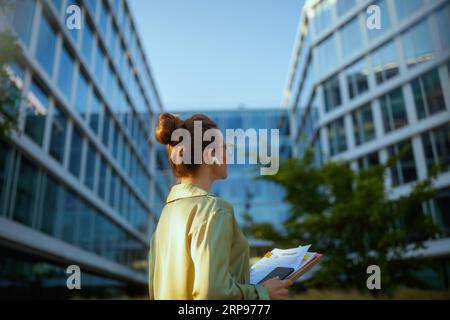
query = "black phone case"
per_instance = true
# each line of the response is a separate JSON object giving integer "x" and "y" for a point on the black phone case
{"x": 281, "y": 272}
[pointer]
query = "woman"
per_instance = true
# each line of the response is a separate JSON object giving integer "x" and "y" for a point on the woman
{"x": 198, "y": 250}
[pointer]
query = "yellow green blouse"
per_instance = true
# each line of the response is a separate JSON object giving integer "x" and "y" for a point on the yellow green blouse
{"x": 198, "y": 250}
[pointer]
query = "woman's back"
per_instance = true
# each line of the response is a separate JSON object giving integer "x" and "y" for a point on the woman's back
{"x": 198, "y": 250}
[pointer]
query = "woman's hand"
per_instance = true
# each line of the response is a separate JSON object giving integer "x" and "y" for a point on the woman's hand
{"x": 278, "y": 289}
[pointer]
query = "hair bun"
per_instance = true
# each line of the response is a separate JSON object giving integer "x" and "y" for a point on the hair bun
{"x": 167, "y": 124}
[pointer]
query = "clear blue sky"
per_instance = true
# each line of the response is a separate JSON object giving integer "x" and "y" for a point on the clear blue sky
{"x": 208, "y": 54}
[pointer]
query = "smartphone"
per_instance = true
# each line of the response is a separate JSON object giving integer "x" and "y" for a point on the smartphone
{"x": 281, "y": 272}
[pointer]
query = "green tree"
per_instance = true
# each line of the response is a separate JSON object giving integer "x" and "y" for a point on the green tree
{"x": 353, "y": 219}
{"x": 9, "y": 93}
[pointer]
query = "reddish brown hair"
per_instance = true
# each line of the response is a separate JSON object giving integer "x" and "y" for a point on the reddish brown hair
{"x": 167, "y": 124}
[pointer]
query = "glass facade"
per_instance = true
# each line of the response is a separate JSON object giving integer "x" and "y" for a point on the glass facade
{"x": 384, "y": 63}
{"x": 323, "y": 15}
{"x": 58, "y": 134}
{"x": 23, "y": 19}
{"x": 436, "y": 145}
{"x": 83, "y": 91}
{"x": 393, "y": 110}
{"x": 36, "y": 114}
{"x": 363, "y": 125}
{"x": 332, "y": 93}
{"x": 337, "y": 139}
{"x": 326, "y": 60}
{"x": 443, "y": 22}
{"x": 428, "y": 95}
{"x": 375, "y": 92}
{"x": 405, "y": 9}
{"x": 351, "y": 39}
{"x": 45, "y": 51}
{"x": 357, "y": 81}
{"x": 65, "y": 75}
{"x": 417, "y": 44}
{"x": 404, "y": 170}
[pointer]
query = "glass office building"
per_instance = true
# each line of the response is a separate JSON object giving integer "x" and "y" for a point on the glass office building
{"x": 262, "y": 200}
{"x": 360, "y": 94}
{"x": 76, "y": 186}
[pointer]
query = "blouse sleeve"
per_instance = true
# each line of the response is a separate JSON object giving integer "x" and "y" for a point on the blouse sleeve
{"x": 210, "y": 250}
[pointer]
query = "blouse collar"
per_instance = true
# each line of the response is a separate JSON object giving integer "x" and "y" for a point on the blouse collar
{"x": 185, "y": 190}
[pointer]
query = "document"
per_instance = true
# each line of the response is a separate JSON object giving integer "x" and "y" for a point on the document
{"x": 298, "y": 259}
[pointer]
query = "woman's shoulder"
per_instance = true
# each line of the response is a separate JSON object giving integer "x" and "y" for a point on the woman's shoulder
{"x": 210, "y": 208}
{"x": 219, "y": 204}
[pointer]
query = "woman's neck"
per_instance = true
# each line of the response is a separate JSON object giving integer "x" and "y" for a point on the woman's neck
{"x": 202, "y": 182}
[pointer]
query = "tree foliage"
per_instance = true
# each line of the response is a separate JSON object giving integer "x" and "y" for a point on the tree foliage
{"x": 9, "y": 93}
{"x": 353, "y": 219}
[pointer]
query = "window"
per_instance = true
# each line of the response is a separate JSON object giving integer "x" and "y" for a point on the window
{"x": 393, "y": 110}
{"x": 323, "y": 15}
{"x": 326, "y": 53}
{"x": 94, "y": 116}
{"x": 106, "y": 125}
{"x": 332, "y": 93}
{"x": 82, "y": 95}
{"x": 92, "y": 4}
{"x": 5, "y": 162}
{"x": 385, "y": 20}
{"x": 45, "y": 51}
{"x": 36, "y": 113}
{"x": 443, "y": 21}
{"x": 84, "y": 236}
{"x": 344, "y": 6}
{"x": 109, "y": 83}
{"x": 89, "y": 177}
{"x": 436, "y": 146}
{"x": 100, "y": 65}
{"x": 368, "y": 161}
{"x": 350, "y": 38}
{"x": 58, "y": 135}
{"x": 26, "y": 194}
{"x": 58, "y": 4}
{"x": 52, "y": 212}
{"x": 102, "y": 179}
{"x": 417, "y": 44}
{"x": 115, "y": 141}
{"x": 357, "y": 78}
{"x": 441, "y": 204}
{"x": 76, "y": 151}
{"x": 119, "y": 149}
{"x": 71, "y": 208}
{"x": 113, "y": 42}
{"x": 88, "y": 41}
{"x": 363, "y": 126}
{"x": 336, "y": 137}
{"x": 103, "y": 19}
{"x": 112, "y": 190}
{"x": 404, "y": 170}
{"x": 384, "y": 62}
{"x": 406, "y": 8}
{"x": 428, "y": 95}
{"x": 65, "y": 75}
{"x": 23, "y": 19}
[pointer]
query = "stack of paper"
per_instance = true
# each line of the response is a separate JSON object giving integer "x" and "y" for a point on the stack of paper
{"x": 299, "y": 259}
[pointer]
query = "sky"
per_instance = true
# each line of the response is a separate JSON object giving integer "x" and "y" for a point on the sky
{"x": 218, "y": 54}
